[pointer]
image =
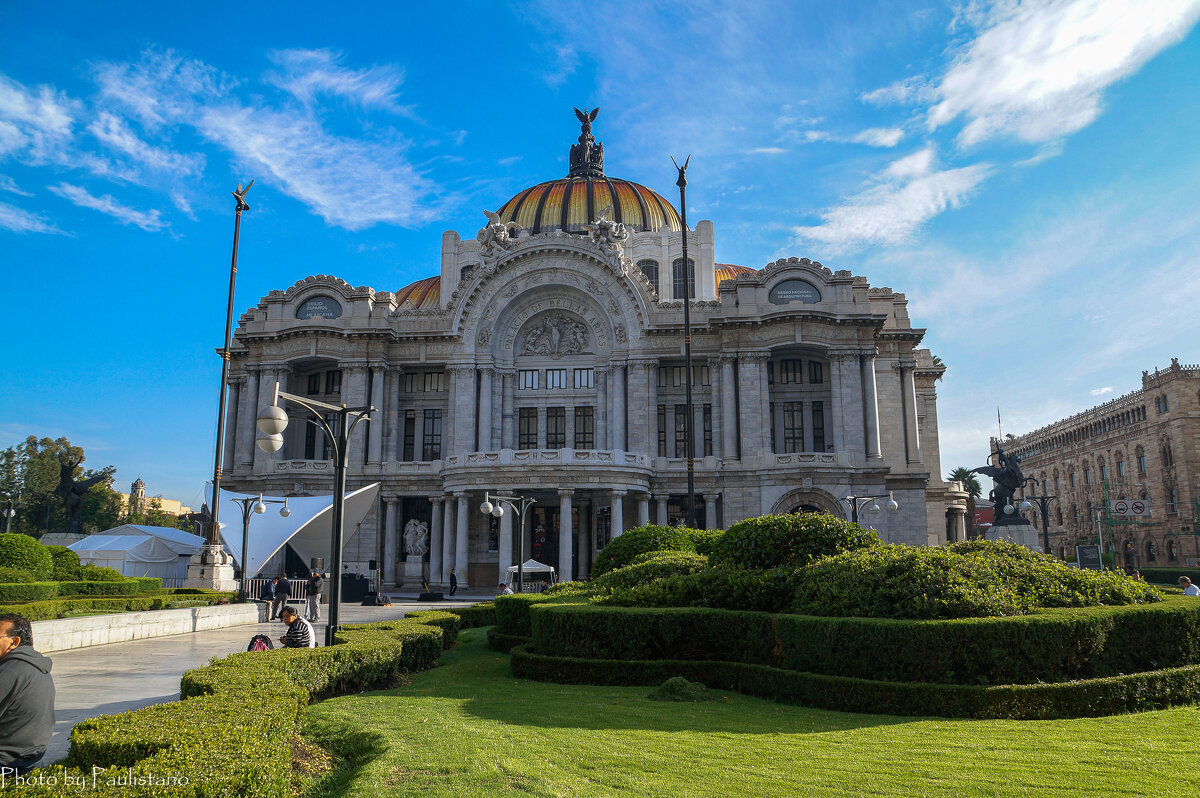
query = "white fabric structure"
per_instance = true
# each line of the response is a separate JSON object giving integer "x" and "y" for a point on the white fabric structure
{"x": 307, "y": 530}
{"x": 137, "y": 550}
{"x": 532, "y": 566}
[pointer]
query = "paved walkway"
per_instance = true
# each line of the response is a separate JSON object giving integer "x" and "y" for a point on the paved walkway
{"x": 103, "y": 680}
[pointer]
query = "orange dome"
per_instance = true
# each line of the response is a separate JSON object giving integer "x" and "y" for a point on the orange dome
{"x": 421, "y": 295}
{"x": 569, "y": 203}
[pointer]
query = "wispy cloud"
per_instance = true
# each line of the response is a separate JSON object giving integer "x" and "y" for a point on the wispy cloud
{"x": 161, "y": 87}
{"x": 147, "y": 220}
{"x": 116, "y": 133}
{"x": 879, "y": 136}
{"x": 767, "y": 151}
{"x": 1038, "y": 69}
{"x": 308, "y": 74}
{"x": 1101, "y": 391}
{"x": 908, "y": 193}
{"x": 35, "y": 123}
{"x": 10, "y": 185}
{"x": 22, "y": 221}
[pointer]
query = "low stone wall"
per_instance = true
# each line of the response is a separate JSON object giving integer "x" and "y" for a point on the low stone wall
{"x": 96, "y": 630}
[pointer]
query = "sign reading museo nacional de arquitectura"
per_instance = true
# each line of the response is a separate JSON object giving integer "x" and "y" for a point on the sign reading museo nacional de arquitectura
{"x": 545, "y": 358}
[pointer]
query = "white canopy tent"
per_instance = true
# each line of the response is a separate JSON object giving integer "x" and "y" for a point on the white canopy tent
{"x": 137, "y": 550}
{"x": 532, "y": 566}
{"x": 307, "y": 530}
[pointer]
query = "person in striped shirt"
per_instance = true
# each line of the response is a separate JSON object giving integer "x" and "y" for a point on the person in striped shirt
{"x": 300, "y": 633}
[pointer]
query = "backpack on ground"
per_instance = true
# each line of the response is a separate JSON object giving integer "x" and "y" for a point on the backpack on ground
{"x": 260, "y": 643}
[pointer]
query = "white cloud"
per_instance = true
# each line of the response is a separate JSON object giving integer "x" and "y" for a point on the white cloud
{"x": 10, "y": 185}
{"x": 306, "y": 74}
{"x": 1038, "y": 70}
{"x": 1101, "y": 391}
{"x": 163, "y": 87}
{"x": 113, "y": 131}
{"x": 767, "y": 151}
{"x": 147, "y": 220}
{"x": 879, "y": 136}
{"x": 905, "y": 92}
{"x": 34, "y": 123}
{"x": 906, "y": 195}
{"x": 22, "y": 221}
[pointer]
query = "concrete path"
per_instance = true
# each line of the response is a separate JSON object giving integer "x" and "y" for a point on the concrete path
{"x": 103, "y": 680}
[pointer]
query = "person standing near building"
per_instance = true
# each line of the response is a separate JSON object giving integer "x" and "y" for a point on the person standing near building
{"x": 266, "y": 593}
{"x": 453, "y": 581}
{"x": 283, "y": 592}
{"x": 26, "y": 697}
{"x": 316, "y": 586}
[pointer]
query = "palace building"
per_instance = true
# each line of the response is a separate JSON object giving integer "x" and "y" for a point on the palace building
{"x": 545, "y": 359}
{"x": 1143, "y": 447}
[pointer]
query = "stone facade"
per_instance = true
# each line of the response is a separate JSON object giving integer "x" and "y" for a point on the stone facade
{"x": 1143, "y": 446}
{"x": 550, "y": 364}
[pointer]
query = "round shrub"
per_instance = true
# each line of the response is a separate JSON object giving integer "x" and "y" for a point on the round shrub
{"x": 788, "y": 540}
{"x": 99, "y": 573}
{"x": 647, "y": 567}
{"x": 640, "y": 540}
{"x": 15, "y": 576}
{"x": 721, "y": 587}
{"x": 706, "y": 540}
{"x": 25, "y": 554}
{"x": 66, "y": 564}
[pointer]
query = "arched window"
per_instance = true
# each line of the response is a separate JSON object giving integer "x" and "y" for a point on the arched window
{"x": 1058, "y": 515}
{"x": 650, "y": 269}
{"x": 1140, "y": 454}
{"x": 678, "y": 279}
{"x": 1151, "y": 551}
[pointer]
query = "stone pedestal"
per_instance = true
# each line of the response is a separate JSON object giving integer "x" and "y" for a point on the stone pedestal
{"x": 414, "y": 571}
{"x": 211, "y": 569}
{"x": 1021, "y": 534}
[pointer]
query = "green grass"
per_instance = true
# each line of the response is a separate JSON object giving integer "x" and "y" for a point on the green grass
{"x": 467, "y": 728}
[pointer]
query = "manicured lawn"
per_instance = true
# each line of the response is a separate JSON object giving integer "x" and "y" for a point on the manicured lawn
{"x": 468, "y": 728}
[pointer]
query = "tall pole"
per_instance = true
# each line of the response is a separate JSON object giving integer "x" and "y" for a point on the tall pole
{"x": 689, "y": 281}
{"x": 214, "y": 526}
{"x": 339, "y": 500}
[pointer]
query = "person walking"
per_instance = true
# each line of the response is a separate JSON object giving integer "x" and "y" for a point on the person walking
{"x": 300, "y": 633}
{"x": 453, "y": 581}
{"x": 266, "y": 593}
{"x": 316, "y": 586}
{"x": 26, "y": 697}
{"x": 283, "y": 592}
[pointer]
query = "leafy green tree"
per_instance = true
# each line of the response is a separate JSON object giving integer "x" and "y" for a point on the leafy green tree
{"x": 154, "y": 515}
{"x": 32, "y": 469}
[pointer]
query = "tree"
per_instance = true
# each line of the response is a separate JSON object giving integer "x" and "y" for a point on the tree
{"x": 973, "y": 488}
{"x": 32, "y": 470}
{"x": 154, "y": 515}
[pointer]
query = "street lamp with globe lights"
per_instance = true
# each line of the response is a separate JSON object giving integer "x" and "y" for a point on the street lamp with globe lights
{"x": 519, "y": 505}
{"x": 253, "y": 505}
{"x": 856, "y": 503}
{"x": 272, "y": 421}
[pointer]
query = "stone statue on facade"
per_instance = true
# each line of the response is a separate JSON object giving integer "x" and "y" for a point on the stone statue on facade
{"x": 1007, "y": 478}
{"x": 587, "y": 155}
{"x": 610, "y": 235}
{"x": 556, "y": 335}
{"x": 71, "y": 492}
{"x": 416, "y": 538}
{"x": 496, "y": 238}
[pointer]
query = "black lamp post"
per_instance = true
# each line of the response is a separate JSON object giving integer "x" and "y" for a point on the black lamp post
{"x": 251, "y": 504}
{"x": 689, "y": 282}
{"x": 519, "y": 505}
{"x": 272, "y": 421}
{"x": 1043, "y": 502}
{"x": 856, "y": 503}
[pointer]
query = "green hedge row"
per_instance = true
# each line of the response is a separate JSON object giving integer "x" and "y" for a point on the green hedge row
{"x": 448, "y": 622}
{"x": 1169, "y": 576}
{"x": 476, "y": 615}
{"x": 504, "y": 643}
{"x": 1049, "y": 646}
{"x": 231, "y": 733}
{"x": 512, "y": 612}
{"x": 20, "y": 592}
{"x": 1091, "y": 698}
{"x": 59, "y": 608}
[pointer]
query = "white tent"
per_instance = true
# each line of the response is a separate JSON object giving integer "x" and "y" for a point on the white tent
{"x": 531, "y": 566}
{"x": 137, "y": 550}
{"x": 307, "y": 529}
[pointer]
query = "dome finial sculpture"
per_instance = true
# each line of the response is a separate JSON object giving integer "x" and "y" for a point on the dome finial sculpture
{"x": 587, "y": 156}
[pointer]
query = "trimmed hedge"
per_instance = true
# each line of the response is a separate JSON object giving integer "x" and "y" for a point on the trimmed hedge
{"x": 60, "y": 608}
{"x": 640, "y": 540}
{"x": 647, "y": 567}
{"x": 512, "y": 612}
{"x": 66, "y": 563}
{"x": 476, "y": 615}
{"x": 25, "y": 554}
{"x": 1054, "y": 645}
{"x": 503, "y": 642}
{"x": 1170, "y": 576}
{"x": 231, "y": 732}
{"x": 1091, "y": 698}
{"x": 17, "y": 592}
{"x": 795, "y": 540}
{"x": 10, "y": 575}
{"x": 448, "y": 622}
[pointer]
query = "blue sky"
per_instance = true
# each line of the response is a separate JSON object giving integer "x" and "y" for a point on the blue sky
{"x": 1028, "y": 174}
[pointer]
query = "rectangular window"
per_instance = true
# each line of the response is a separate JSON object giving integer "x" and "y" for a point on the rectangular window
{"x": 410, "y": 436}
{"x": 433, "y": 381}
{"x": 310, "y": 442}
{"x": 1071, "y": 478}
{"x": 1087, "y": 476}
{"x": 1120, "y": 468}
{"x": 677, "y": 279}
{"x": 662, "y": 430}
{"x": 333, "y": 381}
{"x": 556, "y": 426}
{"x": 527, "y": 431}
{"x": 528, "y": 379}
{"x": 790, "y": 372}
{"x": 585, "y": 378}
{"x": 556, "y": 378}
{"x": 708, "y": 431}
{"x": 774, "y": 427}
{"x": 410, "y": 383}
{"x": 314, "y": 384}
{"x": 431, "y": 441}
{"x": 1057, "y": 488}
{"x": 818, "y": 426}
{"x": 585, "y": 427}
{"x": 1103, "y": 473}
{"x": 1141, "y": 464}
{"x": 681, "y": 430}
{"x": 793, "y": 427}
{"x": 325, "y": 447}
{"x": 816, "y": 372}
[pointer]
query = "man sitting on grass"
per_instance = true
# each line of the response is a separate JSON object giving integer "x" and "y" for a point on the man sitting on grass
{"x": 1188, "y": 588}
{"x": 300, "y": 633}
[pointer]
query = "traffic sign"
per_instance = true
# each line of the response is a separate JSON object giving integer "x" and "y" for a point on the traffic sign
{"x": 1136, "y": 507}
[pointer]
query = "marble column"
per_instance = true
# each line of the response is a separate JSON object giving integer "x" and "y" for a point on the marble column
{"x": 247, "y": 414}
{"x": 871, "y": 406}
{"x": 854, "y": 435}
{"x": 601, "y": 425}
{"x": 618, "y": 513}
{"x": 643, "y": 509}
{"x": 661, "y": 517}
{"x": 231, "y": 419}
{"x": 755, "y": 424}
{"x": 651, "y": 442}
{"x": 483, "y": 440}
{"x": 354, "y": 394}
{"x": 636, "y": 402}
{"x": 508, "y": 413}
{"x": 566, "y": 535}
{"x": 618, "y": 408}
{"x": 390, "y": 541}
{"x": 462, "y": 547}
{"x": 505, "y": 553}
{"x": 392, "y": 432}
{"x": 436, "y": 536}
{"x": 909, "y": 394}
{"x": 729, "y": 436}
{"x": 447, "y": 542}
{"x": 377, "y": 423}
{"x": 462, "y": 408}
{"x": 764, "y": 399}
{"x": 960, "y": 525}
{"x": 710, "y": 510}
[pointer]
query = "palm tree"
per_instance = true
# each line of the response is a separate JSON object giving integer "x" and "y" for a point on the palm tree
{"x": 971, "y": 484}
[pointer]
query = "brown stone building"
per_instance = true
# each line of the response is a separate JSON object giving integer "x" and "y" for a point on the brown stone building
{"x": 1141, "y": 447}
